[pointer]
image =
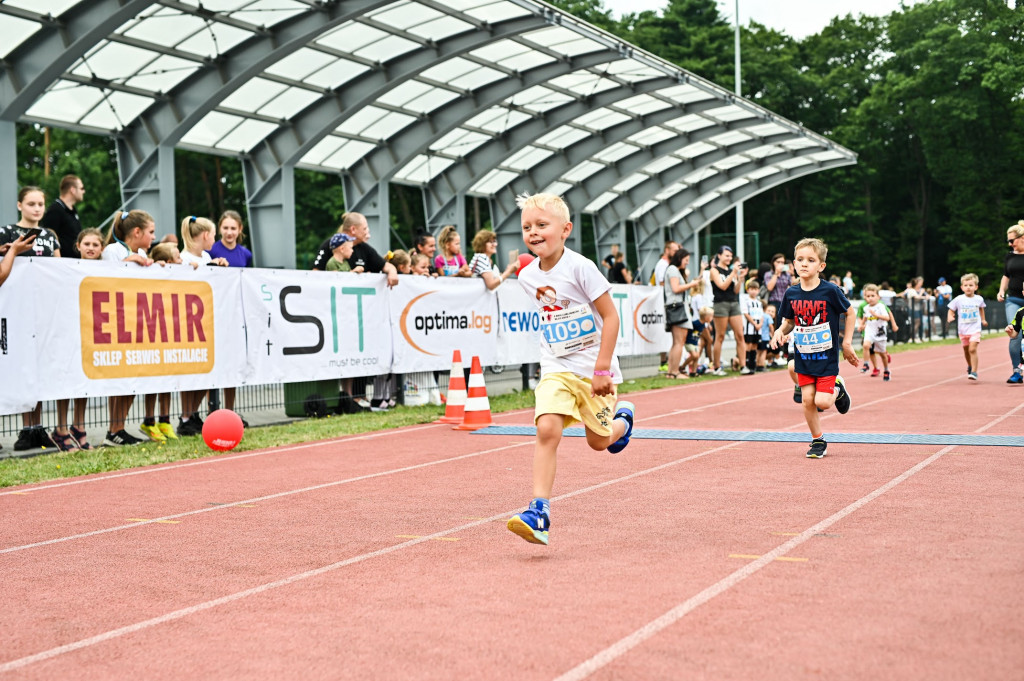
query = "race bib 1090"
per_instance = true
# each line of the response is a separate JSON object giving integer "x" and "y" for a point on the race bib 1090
{"x": 568, "y": 331}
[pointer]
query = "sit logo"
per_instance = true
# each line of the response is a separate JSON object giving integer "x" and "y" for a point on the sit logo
{"x": 291, "y": 317}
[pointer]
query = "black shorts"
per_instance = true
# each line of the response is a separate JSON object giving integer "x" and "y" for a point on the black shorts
{"x": 751, "y": 339}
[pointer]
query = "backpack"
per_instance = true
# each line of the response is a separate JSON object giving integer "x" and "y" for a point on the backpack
{"x": 315, "y": 406}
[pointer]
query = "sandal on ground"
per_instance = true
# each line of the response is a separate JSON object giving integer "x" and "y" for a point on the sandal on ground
{"x": 65, "y": 443}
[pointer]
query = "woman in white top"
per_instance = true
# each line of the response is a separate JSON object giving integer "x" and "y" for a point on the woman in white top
{"x": 485, "y": 244}
{"x": 677, "y": 309}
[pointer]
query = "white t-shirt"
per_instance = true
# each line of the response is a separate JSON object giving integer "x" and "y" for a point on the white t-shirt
{"x": 751, "y": 306}
{"x": 875, "y": 328}
{"x": 968, "y": 314}
{"x": 660, "y": 268}
{"x": 115, "y": 252}
{"x": 203, "y": 259}
{"x": 573, "y": 284}
{"x": 944, "y": 290}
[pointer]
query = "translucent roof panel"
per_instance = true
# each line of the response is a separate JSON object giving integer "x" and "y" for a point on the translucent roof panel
{"x": 407, "y": 91}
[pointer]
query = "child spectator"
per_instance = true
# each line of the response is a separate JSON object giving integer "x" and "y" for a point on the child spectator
{"x": 873, "y": 320}
{"x": 753, "y": 319}
{"x": 341, "y": 250}
{"x": 764, "y": 357}
{"x": 1013, "y": 330}
{"x": 811, "y": 312}
{"x": 967, "y": 310}
{"x": 89, "y": 246}
{"x": 230, "y": 247}
{"x": 450, "y": 261}
{"x": 31, "y": 206}
{"x": 401, "y": 260}
{"x": 130, "y": 237}
{"x": 420, "y": 264}
{"x": 197, "y": 235}
{"x": 578, "y": 376}
{"x": 485, "y": 245}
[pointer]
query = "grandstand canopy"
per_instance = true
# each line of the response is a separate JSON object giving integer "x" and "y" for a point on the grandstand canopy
{"x": 461, "y": 98}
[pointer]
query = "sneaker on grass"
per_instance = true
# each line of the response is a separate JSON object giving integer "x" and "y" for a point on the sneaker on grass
{"x": 167, "y": 430}
{"x": 121, "y": 438}
{"x": 818, "y": 448}
{"x": 533, "y": 523}
{"x": 153, "y": 432}
{"x": 843, "y": 400}
{"x": 623, "y": 410}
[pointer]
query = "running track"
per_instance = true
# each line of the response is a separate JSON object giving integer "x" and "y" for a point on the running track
{"x": 385, "y": 556}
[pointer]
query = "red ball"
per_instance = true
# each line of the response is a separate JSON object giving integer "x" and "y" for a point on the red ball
{"x": 222, "y": 430}
{"x": 524, "y": 260}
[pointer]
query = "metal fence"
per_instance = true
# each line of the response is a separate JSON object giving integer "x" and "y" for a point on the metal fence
{"x": 923, "y": 319}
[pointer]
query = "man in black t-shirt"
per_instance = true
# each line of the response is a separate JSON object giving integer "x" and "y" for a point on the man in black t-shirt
{"x": 62, "y": 218}
{"x": 619, "y": 273}
{"x": 609, "y": 261}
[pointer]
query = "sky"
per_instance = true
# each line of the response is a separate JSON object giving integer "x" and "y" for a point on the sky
{"x": 796, "y": 18}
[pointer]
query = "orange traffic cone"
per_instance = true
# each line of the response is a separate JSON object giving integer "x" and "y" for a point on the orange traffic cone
{"x": 455, "y": 401}
{"x": 478, "y": 408}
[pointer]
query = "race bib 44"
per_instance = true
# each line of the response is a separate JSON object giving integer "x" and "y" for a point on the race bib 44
{"x": 816, "y": 338}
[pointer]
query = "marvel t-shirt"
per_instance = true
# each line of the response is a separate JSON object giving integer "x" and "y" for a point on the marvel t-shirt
{"x": 817, "y": 335}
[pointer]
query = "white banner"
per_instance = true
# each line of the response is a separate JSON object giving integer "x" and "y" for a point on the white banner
{"x": 120, "y": 329}
{"x": 17, "y": 344}
{"x": 309, "y": 325}
{"x": 519, "y": 335}
{"x": 647, "y": 320}
{"x": 432, "y": 317}
{"x": 76, "y": 328}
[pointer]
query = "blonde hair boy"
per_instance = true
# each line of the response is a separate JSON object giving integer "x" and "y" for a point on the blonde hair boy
{"x": 580, "y": 326}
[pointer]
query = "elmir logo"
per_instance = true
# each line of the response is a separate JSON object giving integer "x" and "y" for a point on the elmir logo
{"x": 141, "y": 327}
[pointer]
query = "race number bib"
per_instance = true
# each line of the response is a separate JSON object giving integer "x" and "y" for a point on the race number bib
{"x": 809, "y": 339}
{"x": 569, "y": 331}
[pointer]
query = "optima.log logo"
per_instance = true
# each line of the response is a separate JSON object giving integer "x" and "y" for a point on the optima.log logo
{"x": 417, "y": 327}
{"x": 647, "y": 319}
{"x": 140, "y": 327}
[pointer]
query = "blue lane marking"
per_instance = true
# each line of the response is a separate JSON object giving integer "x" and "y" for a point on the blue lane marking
{"x": 776, "y": 436}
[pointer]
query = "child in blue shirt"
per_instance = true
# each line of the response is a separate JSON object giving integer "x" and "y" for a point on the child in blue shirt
{"x": 811, "y": 313}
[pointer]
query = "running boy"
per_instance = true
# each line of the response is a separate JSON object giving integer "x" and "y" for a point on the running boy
{"x": 579, "y": 370}
{"x": 874, "y": 321}
{"x": 967, "y": 310}
{"x": 811, "y": 311}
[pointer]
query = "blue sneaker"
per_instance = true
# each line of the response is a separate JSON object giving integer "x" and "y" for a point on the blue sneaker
{"x": 1015, "y": 377}
{"x": 532, "y": 524}
{"x": 623, "y": 410}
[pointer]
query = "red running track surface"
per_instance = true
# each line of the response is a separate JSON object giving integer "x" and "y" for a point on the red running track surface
{"x": 385, "y": 556}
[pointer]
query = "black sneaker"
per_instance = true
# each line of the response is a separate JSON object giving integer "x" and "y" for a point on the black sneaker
{"x": 798, "y": 395}
{"x": 818, "y": 448}
{"x": 120, "y": 439}
{"x": 885, "y": 376}
{"x": 843, "y": 401}
{"x": 41, "y": 438}
{"x": 190, "y": 427}
{"x": 25, "y": 440}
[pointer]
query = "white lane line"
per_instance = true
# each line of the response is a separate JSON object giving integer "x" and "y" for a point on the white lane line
{"x": 277, "y": 495}
{"x": 747, "y": 570}
{"x": 627, "y": 643}
{"x": 172, "y": 466}
{"x": 316, "y": 572}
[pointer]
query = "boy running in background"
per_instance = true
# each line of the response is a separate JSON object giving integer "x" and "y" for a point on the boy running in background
{"x": 578, "y": 367}
{"x": 967, "y": 310}
{"x": 811, "y": 312}
{"x": 874, "y": 322}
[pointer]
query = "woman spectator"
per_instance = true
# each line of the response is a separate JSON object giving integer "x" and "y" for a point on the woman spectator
{"x": 677, "y": 307}
{"x": 485, "y": 244}
{"x": 777, "y": 280}
{"x": 1010, "y": 289}
{"x": 916, "y": 300}
{"x": 727, "y": 279}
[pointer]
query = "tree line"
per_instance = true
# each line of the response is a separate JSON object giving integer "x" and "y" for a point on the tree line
{"x": 931, "y": 97}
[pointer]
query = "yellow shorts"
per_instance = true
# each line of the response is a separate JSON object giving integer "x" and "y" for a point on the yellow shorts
{"x": 568, "y": 395}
